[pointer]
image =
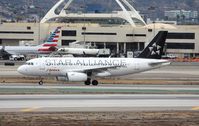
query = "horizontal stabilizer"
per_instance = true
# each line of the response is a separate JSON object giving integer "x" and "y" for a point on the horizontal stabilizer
{"x": 163, "y": 63}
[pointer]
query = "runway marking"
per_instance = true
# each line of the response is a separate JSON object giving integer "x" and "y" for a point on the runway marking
{"x": 195, "y": 108}
{"x": 30, "y": 109}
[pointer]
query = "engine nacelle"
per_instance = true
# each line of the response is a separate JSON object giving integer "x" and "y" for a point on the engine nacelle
{"x": 73, "y": 77}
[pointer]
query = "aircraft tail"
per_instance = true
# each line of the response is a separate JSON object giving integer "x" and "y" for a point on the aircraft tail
{"x": 53, "y": 39}
{"x": 154, "y": 50}
{"x": 4, "y": 54}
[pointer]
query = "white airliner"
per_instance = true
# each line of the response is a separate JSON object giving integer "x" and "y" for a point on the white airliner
{"x": 45, "y": 48}
{"x": 84, "y": 52}
{"x": 79, "y": 51}
{"x": 87, "y": 69}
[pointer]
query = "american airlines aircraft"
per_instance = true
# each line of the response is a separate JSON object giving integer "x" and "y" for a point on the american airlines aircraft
{"x": 45, "y": 48}
{"x": 87, "y": 69}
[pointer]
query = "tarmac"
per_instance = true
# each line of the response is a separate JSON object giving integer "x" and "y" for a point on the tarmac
{"x": 60, "y": 97}
{"x": 30, "y": 88}
{"x": 98, "y": 103}
{"x": 164, "y": 97}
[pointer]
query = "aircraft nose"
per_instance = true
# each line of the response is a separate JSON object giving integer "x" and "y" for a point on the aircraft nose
{"x": 21, "y": 70}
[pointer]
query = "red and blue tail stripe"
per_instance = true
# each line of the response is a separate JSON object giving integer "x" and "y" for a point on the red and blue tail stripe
{"x": 54, "y": 37}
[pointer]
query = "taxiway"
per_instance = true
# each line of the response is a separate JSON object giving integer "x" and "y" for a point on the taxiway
{"x": 55, "y": 97}
{"x": 94, "y": 102}
{"x": 22, "y": 88}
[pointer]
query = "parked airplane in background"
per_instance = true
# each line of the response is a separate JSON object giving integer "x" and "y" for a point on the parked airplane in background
{"x": 79, "y": 51}
{"x": 87, "y": 69}
{"x": 46, "y": 48}
{"x": 84, "y": 52}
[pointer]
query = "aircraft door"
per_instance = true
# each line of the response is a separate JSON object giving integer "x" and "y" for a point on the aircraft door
{"x": 137, "y": 66}
{"x": 42, "y": 66}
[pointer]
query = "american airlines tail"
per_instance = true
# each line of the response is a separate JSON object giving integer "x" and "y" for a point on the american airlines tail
{"x": 52, "y": 42}
{"x": 53, "y": 39}
{"x": 154, "y": 50}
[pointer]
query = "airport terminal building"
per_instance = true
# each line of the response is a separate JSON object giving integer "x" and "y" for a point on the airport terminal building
{"x": 122, "y": 31}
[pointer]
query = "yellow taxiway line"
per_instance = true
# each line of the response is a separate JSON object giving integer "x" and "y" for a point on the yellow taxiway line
{"x": 195, "y": 108}
{"x": 30, "y": 109}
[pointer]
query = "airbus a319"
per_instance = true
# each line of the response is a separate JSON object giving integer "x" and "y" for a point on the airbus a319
{"x": 88, "y": 69}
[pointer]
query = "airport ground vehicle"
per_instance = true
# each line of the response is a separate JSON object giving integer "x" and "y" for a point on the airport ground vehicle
{"x": 17, "y": 57}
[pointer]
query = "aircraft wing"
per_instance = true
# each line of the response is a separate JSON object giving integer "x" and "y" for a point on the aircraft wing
{"x": 96, "y": 69}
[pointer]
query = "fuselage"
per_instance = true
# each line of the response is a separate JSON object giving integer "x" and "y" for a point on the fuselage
{"x": 79, "y": 51}
{"x": 24, "y": 50}
{"x": 101, "y": 67}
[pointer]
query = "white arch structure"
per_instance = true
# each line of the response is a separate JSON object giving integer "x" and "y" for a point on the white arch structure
{"x": 129, "y": 16}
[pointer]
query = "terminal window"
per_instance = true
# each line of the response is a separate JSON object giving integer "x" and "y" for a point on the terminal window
{"x": 67, "y": 42}
{"x": 69, "y": 33}
{"x": 135, "y": 46}
{"x": 15, "y": 32}
{"x": 136, "y": 35}
{"x": 97, "y": 33}
{"x": 181, "y": 36}
{"x": 180, "y": 45}
{"x": 28, "y": 28}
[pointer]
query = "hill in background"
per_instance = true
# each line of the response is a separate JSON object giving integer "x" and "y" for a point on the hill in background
{"x": 153, "y": 8}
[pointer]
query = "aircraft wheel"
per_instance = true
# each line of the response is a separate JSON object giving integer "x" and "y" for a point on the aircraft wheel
{"x": 95, "y": 82}
{"x": 15, "y": 59}
{"x": 41, "y": 82}
{"x": 88, "y": 82}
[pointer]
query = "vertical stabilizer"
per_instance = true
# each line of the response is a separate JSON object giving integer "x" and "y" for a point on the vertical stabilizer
{"x": 154, "y": 50}
{"x": 54, "y": 37}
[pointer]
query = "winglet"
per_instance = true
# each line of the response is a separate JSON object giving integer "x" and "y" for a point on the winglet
{"x": 155, "y": 48}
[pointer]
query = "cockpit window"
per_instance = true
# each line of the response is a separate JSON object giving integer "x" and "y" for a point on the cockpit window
{"x": 29, "y": 63}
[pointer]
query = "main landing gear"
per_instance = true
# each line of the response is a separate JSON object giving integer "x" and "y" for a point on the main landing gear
{"x": 89, "y": 81}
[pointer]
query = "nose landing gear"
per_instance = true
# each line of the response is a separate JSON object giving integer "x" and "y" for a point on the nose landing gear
{"x": 40, "y": 82}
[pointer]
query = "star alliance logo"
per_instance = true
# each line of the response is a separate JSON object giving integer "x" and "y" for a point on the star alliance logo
{"x": 155, "y": 49}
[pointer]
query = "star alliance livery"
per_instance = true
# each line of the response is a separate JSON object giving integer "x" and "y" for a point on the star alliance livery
{"x": 88, "y": 69}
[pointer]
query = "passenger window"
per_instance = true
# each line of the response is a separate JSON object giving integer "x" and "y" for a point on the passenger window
{"x": 30, "y": 63}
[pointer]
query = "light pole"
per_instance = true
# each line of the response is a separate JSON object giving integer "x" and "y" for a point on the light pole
{"x": 39, "y": 24}
{"x": 84, "y": 26}
{"x": 153, "y": 28}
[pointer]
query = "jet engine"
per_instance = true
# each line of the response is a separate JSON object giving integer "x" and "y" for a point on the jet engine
{"x": 73, "y": 77}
